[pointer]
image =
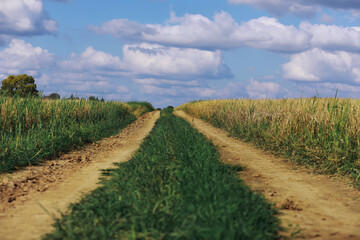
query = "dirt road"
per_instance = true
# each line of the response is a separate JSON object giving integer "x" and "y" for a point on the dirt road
{"x": 319, "y": 206}
{"x": 30, "y": 197}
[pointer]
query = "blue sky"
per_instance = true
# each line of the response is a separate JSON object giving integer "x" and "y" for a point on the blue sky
{"x": 171, "y": 52}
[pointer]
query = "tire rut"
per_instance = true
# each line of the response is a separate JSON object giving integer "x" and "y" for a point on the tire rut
{"x": 32, "y": 197}
{"x": 312, "y": 206}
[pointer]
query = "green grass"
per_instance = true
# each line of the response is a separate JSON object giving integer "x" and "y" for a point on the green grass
{"x": 33, "y": 129}
{"x": 136, "y": 104}
{"x": 174, "y": 187}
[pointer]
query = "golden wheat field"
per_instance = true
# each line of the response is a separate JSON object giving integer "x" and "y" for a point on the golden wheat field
{"x": 320, "y": 132}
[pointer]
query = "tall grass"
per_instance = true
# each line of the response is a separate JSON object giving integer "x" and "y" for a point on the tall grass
{"x": 33, "y": 128}
{"x": 320, "y": 132}
{"x": 138, "y": 108}
{"x": 173, "y": 188}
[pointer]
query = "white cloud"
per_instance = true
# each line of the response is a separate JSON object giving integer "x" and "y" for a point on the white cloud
{"x": 319, "y": 65}
{"x": 325, "y": 18}
{"x": 93, "y": 60}
{"x": 149, "y": 60}
{"x": 160, "y": 61}
{"x": 223, "y": 32}
{"x": 89, "y": 72}
{"x": 197, "y": 31}
{"x": 263, "y": 90}
{"x": 123, "y": 28}
{"x": 276, "y": 36}
{"x": 302, "y": 8}
{"x": 25, "y": 17}
{"x": 94, "y": 71}
{"x": 21, "y": 57}
{"x": 332, "y": 36}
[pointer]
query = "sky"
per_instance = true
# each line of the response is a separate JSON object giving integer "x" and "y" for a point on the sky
{"x": 170, "y": 52}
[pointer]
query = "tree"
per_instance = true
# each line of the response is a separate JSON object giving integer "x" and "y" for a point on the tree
{"x": 54, "y": 96}
{"x": 22, "y": 85}
{"x": 72, "y": 97}
{"x": 92, "y": 98}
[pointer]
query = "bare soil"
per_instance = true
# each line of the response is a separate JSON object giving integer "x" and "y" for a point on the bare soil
{"x": 32, "y": 197}
{"x": 312, "y": 206}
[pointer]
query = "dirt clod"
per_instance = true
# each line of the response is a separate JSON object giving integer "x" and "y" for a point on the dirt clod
{"x": 290, "y": 205}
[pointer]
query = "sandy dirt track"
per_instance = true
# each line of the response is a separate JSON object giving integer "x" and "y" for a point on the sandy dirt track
{"x": 55, "y": 184}
{"x": 320, "y": 206}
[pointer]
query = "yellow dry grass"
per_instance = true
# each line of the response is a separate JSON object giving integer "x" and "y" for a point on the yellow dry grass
{"x": 321, "y": 132}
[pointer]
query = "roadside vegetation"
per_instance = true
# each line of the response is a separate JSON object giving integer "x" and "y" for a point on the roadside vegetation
{"x": 323, "y": 133}
{"x": 138, "y": 108}
{"x": 32, "y": 128}
{"x": 174, "y": 187}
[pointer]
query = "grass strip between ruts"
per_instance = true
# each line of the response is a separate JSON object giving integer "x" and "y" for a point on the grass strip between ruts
{"x": 174, "y": 187}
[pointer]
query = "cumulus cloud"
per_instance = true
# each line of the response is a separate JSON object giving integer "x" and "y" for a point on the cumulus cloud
{"x": 159, "y": 61}
{"x": 197, "y": 31}
{"x": 332, "y": 37}
{"x": 263, "y": 90}
{"x": 223, "y": 32}
{"x": 89, "y": 72}
{"x": 317, "y": 65}
{"x": 303, "y": 8}
{"x": 25, "y": 17}
{"x": 92, "y": 59}
{"x": 157, "y": 69}
{"x": 123, "y": 28}
{"x": 150, "y": 60}
{"x": 22, "y": 57}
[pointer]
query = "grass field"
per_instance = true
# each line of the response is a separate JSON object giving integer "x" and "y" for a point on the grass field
{"x": 323, "y": 133}
{"x": 32, "y": 128}
{"x": 173, "y": 188}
